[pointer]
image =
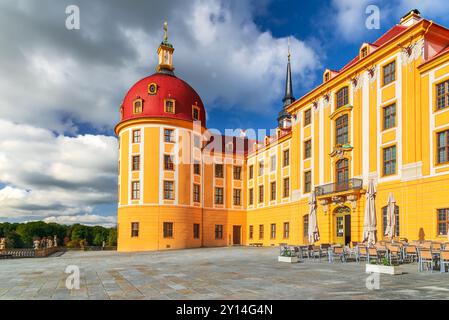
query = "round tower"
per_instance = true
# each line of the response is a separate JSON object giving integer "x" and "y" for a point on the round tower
{"x": 161, "y": 120}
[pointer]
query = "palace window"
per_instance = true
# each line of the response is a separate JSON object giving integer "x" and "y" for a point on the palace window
{"x": 286, "y": 187}
{"x": 136, "y": 136}
{"x": 443, "y": 147}
{"x": 251, "y": 171}
{"x": 168, "y": 229}
{"x": 273, "y": 231}
{"x": 261, "y": 231}
{"x": 218, "y": 231}
{"x": 389, "y": 160}
{"x": 384, "y": 219}
{"x": 237, "y": 197}
{"x": 286, "y": 230}
{"x": 169, "y": 106}
{"x": 273, "y": 163}
{"x": 261, "y": 194}
{"x": 218, "y": 195}
{"x": 196, "y": 141}
{"x": 341, "y": 130}
{"x": 364, "y": 52}
{"x": 196, "y": 193}
{"x": 443, "y": 221}
{"x": 389, "y": 74}
{"x": 442, "y": 95}
{"x": 169, "y": 190}
{"x": 196, "y": 113}
{"x": 168, "y": 162}
{"x": 307, "y": 181}
{"x": 135, "y": 188}
{"x": 342, "y": 97}
{"x": 196, "y": 231}
{"x": 389, "y": 116}
{"x": 307, "y": 149}
{"x": 261, "y": 165}
{"x": 251, "y": 196}
{"x": 196, "y": 168}
{"x": 169, "y": 135}
{"x": 273, "y": 191}
{"x": 136, "y": 163}
{"x": 237, "y": 173}
{"x": 251, "y": 232}
{"x": 134, "y": 229}
{"x": 305, "y": 226}
{"x": 137, "y": 106}
{"x": 307, "y": 117}
{"x": 286, "y": 158}
{"x": 218, "y": 171}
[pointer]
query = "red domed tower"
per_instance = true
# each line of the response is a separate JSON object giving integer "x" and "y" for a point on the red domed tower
{"x": 160, "y": 116}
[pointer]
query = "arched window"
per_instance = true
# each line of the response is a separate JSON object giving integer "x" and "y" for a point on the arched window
{"x": 384, "y": 219}
{"x": 341, "y": 130}
{"x": 137, "y": 106}
{"x": 342, "y": 97}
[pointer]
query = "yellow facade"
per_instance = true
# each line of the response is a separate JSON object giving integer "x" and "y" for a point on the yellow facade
{"x": 339, "y": 172}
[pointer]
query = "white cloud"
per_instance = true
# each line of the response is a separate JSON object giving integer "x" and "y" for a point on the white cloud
{"x": 47, "y": 174}
{"x": 86, "y": 219}
{"x": 56, "y": 78}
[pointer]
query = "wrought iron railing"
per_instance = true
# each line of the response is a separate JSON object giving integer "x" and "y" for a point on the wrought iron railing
{"x": 351, "y": 184}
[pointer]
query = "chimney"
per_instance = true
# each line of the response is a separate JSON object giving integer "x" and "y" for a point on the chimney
{"x": 411, "y": 18}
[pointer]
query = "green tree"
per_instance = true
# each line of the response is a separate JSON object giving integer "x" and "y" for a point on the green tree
{"x": 112, "y": 237}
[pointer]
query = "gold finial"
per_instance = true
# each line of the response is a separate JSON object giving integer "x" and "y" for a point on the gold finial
{"x": 288, "y": 44}
{"x": 165, "y": 31}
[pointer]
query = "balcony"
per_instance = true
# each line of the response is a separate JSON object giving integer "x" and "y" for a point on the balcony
{"x": 331, "y": 188}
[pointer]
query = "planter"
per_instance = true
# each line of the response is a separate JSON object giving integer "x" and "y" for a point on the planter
{"x": 293, "y": 259}
{"x": 378, "y": 268}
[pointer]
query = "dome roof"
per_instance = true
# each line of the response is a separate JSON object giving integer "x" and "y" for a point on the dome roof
{"x": 153, "y": 103}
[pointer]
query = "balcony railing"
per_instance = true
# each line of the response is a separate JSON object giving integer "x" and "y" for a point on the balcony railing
{"x": 336, "y": 187}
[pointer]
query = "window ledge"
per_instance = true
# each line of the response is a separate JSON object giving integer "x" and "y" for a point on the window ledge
{"x": 342, "y": 109}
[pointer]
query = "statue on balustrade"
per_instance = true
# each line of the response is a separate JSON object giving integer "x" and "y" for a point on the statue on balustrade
{"x": 55, "y": 241}
{"x": 2, "y": 243}
{"x": 49, "y": 243}
{"x": 36, "y": 244}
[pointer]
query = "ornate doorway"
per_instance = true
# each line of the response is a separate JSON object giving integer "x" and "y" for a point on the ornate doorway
{"x": 342, "y": 225}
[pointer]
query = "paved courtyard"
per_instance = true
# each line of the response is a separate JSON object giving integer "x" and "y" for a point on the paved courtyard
{"x": 207, "y": 273}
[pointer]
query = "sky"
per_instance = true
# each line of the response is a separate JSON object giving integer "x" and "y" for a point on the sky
{"x": 60, "y": 89}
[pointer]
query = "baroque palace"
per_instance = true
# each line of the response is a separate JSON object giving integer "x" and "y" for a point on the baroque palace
{"x": 382, "y": 117}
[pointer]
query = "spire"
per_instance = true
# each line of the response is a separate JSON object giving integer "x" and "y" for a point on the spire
{"x": 284, "y": 118}
{"x": 165, "y": 54}
{"x": 288, "y": 97}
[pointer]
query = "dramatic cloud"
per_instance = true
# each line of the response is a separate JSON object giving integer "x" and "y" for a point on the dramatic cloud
{"x": 58, "y": 78}
{"x": 86, "y": 219}
{"x": 51, "y": 175}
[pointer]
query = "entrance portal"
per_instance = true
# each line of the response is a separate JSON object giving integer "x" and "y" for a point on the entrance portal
{"x": 342, "y": 225}
{"x": 236, "y": 235}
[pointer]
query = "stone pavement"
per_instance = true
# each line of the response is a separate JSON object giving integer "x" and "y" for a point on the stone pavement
{"x": 207, "y": 273}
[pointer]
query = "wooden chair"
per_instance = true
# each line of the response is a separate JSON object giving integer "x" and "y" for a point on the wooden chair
{"x": 444, "y": 260}
{"x": 362, "y": 253}
{"x": 436, "y": 246}
{"x": 426, "y": 245}
{"x": 411, "y": 253}
{"x": 337, "y": 252}
{"x": 425, "y": 258}
{"x": 373, "y": 254}
{"x": 394, "y": 253}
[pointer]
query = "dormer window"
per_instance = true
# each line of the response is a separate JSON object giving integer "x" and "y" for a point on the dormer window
{"x": 137, "y": 106}
{"x": 169, "y": 106}
{"x": 327, "y": 76}
{"x": 364, "y": 51}
{"x": 342, "y": 97}
{"x": 195, "y": 113}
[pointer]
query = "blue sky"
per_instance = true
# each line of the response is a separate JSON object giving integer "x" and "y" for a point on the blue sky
{"x": 60, "y": 89}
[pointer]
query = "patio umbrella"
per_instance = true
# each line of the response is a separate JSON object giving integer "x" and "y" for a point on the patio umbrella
{"x": 369, "y": 227}
{"x": 313, "y": 233}
{"x": 391, "y": 217}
